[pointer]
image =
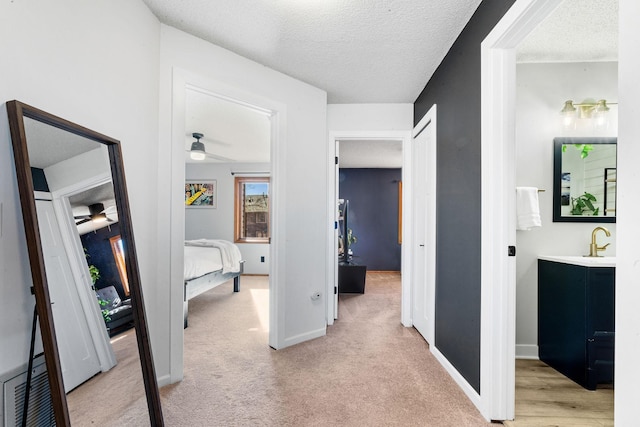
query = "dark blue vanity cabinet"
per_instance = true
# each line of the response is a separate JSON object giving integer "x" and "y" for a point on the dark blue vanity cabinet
{"x": 576, "y": 310}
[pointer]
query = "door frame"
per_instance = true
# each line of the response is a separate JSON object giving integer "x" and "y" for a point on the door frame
{"x": 332, "y": 209}
{"x": 181, "y": 81}
{"x": 498, "y": 93}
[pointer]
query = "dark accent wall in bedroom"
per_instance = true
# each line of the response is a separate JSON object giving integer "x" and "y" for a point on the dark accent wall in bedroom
{"x": 455, "y": 88}
{"x": 39, "y": 180}
{"x": 373, "y": 215}
{"x": 101, "y": 255}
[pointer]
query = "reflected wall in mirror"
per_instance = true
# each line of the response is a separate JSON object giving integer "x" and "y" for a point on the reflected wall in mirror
{"x": 584, "y": 179}
{"x": 88, "y": 295}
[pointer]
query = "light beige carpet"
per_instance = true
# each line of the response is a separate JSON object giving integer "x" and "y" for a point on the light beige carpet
{"x": 114, "y": 398}
{"x": 368, "y": 371}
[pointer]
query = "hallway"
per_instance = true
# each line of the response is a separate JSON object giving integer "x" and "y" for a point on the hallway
{"x": 368, "y": 370}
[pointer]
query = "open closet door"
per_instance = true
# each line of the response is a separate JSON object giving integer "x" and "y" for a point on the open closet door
{"x": 78, "y": 356}
{"x": 336, "y": 231}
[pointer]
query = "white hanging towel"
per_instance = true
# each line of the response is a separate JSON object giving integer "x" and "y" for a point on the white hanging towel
{"x": 527, "y": 208}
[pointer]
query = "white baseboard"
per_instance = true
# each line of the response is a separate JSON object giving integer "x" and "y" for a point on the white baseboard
{"x": 164, "y": 380}
{"x": 527, "y": 351}
{"x": 458, "y": 378}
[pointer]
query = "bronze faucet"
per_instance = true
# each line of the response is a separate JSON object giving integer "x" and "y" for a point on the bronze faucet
{"x": 593, "y": 247}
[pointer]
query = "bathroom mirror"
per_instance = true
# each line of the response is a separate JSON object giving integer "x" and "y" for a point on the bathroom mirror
{"x": 584, "y": 179}
{"x": 63, "y": 168}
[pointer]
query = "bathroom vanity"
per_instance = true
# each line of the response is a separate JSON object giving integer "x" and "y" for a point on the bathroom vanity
{"x": 576, "y": 311}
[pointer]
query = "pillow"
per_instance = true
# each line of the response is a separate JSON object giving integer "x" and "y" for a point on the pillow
{"x": 110, "y": 295}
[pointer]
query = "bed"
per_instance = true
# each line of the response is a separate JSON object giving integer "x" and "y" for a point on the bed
{"x": 207, "y": 264}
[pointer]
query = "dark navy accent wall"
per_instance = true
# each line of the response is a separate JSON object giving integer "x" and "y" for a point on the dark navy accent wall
{"x": 373, "y": 215}
{"x": 99, "y": 248}
{"x": 455, "y": 88}
{"x": 39, "y": 180}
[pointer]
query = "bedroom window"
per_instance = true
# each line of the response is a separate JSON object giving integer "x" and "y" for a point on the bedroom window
{"x": 252, "y": 210}
{"x": 118, "y": 255}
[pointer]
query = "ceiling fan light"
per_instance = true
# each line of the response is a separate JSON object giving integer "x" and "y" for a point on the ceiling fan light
{"x": 197, "y": 151}
{"x": 101, "y": 217}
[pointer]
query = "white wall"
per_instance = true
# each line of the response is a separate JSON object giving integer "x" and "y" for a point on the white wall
{"x": 369, "y": 117}
{"x": 95, "y": 64}
{"x": 219, "y": 223}
{"x": 628, "y": 265}
{"x": 298, "y": 183}
{"x": 541, "y": 92}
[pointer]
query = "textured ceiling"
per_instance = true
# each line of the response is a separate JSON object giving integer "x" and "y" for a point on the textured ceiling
{"x": 577, "y": 31}
{"x": 358, "y": 51}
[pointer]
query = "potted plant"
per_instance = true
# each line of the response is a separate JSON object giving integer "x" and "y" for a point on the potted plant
{"x": 94, "y": 272}
{"x": 584, "y": 204}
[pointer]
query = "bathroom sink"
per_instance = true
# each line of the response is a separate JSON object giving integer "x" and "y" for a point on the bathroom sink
{"x": 604, "y": 261}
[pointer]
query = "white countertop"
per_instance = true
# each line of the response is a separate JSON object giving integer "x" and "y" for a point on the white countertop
{"x": 585, "y": 261}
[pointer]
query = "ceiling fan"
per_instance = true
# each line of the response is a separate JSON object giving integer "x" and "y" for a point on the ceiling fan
{"x": 97, "y": 213}
{"x": 198, "y": 151}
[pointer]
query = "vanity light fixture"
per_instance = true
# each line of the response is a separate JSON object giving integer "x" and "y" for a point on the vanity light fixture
{"x": 197, "y": 147}
{"x": 589, "y": 109}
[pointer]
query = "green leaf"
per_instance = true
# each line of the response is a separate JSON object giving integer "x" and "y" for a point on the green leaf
{"x": 589, "y": 205}
{"x": 585, "y": 150}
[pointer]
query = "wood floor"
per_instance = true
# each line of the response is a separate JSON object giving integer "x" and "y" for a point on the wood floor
{"x": 545, "y": 397}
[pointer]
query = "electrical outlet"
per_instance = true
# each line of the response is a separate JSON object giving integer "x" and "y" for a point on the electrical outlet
{"x": 261, "y": 259}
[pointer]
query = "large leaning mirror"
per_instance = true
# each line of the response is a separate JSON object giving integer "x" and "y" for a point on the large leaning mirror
{"x": 584, "y": 179}
{"x": 85, "y": 274}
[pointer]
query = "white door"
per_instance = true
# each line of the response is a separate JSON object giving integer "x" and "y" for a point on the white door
{"x": 424, "y": 235}
{"x": 78, "y": 357}
{"x": 336, "y": 226}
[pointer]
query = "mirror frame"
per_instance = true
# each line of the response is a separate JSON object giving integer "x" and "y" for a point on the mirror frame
{"x": 16, "y": 112}
{"x": 558, "y": 142}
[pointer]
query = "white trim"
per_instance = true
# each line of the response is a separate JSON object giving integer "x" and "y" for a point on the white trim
{"x": 497, "y": 331}
{"x": 457, "y": 377}
{"x": 42, "y": 195}
{"x": 332, "y": 200}
{"x": 527, "y": 351}
{"x": 183, "y": 80}
{"x": 406, "y": 317}
{"x": 428, "y": 123}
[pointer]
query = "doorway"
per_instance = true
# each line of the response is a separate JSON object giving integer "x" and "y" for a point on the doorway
{"x": 234, "y": 210}
{"x": 403, "y": 140}
{"x": 545, "y": 78}
{"x": 182, "y": 82}
{"x": 369, "y": 188}
{"x": 498, "y": 279}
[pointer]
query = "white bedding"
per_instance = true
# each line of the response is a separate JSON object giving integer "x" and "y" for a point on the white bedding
{"x": 203, "y": 256}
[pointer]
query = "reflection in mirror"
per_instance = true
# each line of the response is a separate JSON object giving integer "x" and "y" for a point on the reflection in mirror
{"x": 584, "y": 181}
{"x": 84, "y": 270}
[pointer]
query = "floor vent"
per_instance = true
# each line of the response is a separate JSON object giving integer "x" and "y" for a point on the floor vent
{"x": 13, "y": 394}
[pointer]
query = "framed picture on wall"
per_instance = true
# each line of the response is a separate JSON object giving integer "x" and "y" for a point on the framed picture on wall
{"x": 200, "y": 194}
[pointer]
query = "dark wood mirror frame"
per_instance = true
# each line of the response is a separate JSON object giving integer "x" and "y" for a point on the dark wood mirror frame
{"x": 557, "y": 177}
{"x": 16, "y": 112}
